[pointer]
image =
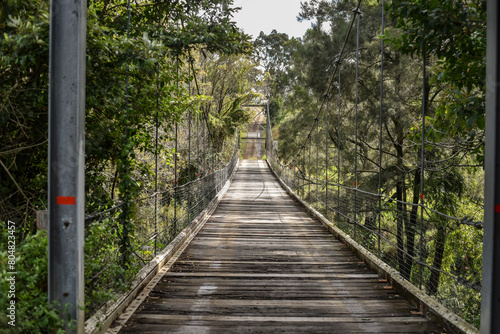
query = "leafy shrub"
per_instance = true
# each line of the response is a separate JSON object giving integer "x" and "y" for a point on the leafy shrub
{"x": 34, "y": 313}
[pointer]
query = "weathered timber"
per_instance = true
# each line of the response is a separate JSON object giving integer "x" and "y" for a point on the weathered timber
{"x": 427, "y": 305}
{"x": 261, "y": 264}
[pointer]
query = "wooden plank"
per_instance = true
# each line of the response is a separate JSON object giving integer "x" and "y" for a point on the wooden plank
{"x": 160, "y": 318}
{"x": 196, "y": 327}
{"x": 261, "y": 264}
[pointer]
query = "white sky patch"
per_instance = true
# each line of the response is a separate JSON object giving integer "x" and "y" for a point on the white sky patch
{"x": 265, "y": 15}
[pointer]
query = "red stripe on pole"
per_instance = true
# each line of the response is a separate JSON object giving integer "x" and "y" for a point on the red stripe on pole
{"x": 497, "y": 208}
{"x": 422, "y": 197}
{"x": 66, "y": 200}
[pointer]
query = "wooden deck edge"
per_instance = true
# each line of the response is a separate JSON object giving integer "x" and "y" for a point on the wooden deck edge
{"x": 431, "y": 307}
{"x": 105, "y": 316}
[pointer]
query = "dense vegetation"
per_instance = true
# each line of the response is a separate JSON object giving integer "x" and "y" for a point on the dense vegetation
{"x": 451, "y": 36}
{"x": 148, "y": 67}
{"x": 179, "y": 62}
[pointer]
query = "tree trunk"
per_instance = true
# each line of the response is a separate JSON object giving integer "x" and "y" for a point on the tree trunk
{"x": 433, "y": 284}
{"x": 411, "y": 228}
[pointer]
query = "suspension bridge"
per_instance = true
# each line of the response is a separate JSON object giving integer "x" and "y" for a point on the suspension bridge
{"x": 261, "y": 263}
{"x": 257, "y": 245}
{"x": 260, "y": 259}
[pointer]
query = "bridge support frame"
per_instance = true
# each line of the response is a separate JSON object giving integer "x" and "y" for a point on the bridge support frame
{"x": 66, "y": 188}
{"x": 490, "y": 304}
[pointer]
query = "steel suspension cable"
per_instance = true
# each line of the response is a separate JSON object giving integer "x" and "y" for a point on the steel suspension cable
{"x": 189, "y": 142}
{"x": 124, "y": 233}
{"x": 175, "y": 160}
{"x": 380, "y": 129}
{"x": 317, "y": 159}
{"x": 304, "y": 174}
{"x": 356, "y": 126}
{"x": 326, "y": 155}
{"x": 422, "y": 160}
{"x": 156, "y": 152}
{"x": 197, "y": 145}
{"x": 334, "y": 74}
{"x": 338, "y": 140}
{"x": 309, "y": 169}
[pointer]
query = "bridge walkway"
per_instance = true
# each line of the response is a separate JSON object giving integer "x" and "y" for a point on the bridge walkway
{"x": 261, "y": 264}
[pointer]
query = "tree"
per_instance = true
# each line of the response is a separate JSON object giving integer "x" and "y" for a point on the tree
{"x": 134, "y": 82}
{"x": 125, "y": 66}
{"x": 23, "y": 110}
{"x": 454, "y": 34}
{"x": 447, "y": 151}
{"x": 230, "y": 81}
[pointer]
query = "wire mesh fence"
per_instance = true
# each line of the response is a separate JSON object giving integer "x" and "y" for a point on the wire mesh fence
{"x": 433, "y": 251}
{"x": 381, "y": 169}
{"x": 157, "y": 220}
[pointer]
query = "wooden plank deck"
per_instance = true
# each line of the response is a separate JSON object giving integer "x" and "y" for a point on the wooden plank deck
{"x": 262, "y": 265}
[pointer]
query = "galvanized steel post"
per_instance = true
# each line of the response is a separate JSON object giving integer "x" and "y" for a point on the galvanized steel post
{"x": 66, "y": 188}
{"x": 490, "y": 303}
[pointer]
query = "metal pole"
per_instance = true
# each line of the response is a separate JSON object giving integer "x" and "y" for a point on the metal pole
{"x": 294, "y": 176}
{"x": 189, "y": 151}
{"x": 380, "y": 132}
{"x": 204, "y": 144}
{"x": 356, "y": 128}
{"x": 317, "y": 162}
{"x": 210, "y": 163}
{"x": 268, "y": 131}
{"x": 66, "y": 186}
{"x": 156, "y": 153}
{"x": 198, "y": 144}
{"x": 338, "y": 148}
{"x": 422, "y": 165}
{"x": 125, "y": 233}
{"x": 156, "y": 150}
{"x": 304, "y": 173}
{"x": 309, "y": 169}
{"x": 326, "y": 156}
{"x": 490, "y": 303}
{"x": 175, "y": 161}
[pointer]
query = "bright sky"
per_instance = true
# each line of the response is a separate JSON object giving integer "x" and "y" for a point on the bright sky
{"x": 265, "y": 15}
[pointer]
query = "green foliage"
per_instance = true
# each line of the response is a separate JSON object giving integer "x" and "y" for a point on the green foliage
{"x": 452, "y": 31}
{"x": 136, "y": 79}
{"x": 230, "y": 81}
{"x": 131, "y": 76}
{"x": 103, "y": 263}
{"x": 453, "y": 34}
{"x": 24, "y": 27}
{"x": 34, "y": 313}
